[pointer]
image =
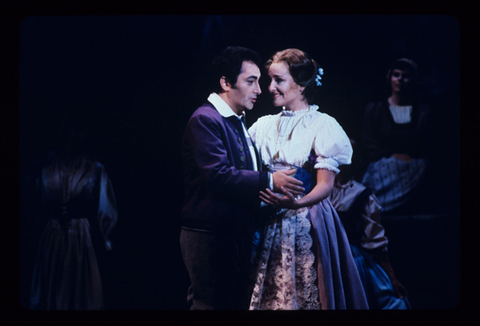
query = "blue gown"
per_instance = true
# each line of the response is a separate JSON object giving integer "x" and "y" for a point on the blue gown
{"x": 376, "y": 283}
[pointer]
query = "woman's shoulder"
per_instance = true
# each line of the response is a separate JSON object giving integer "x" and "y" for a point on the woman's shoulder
{"x": 324, "y": 119}
{"x": 323, "y": 116}
{"x": 327, "y": 127}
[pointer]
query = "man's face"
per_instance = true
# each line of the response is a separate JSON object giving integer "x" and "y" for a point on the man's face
{"x": 244, "y": 94}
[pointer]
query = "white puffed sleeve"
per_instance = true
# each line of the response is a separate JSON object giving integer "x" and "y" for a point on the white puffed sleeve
{"x": 332, "y": 145}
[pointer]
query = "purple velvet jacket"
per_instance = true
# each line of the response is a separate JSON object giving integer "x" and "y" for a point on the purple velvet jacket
{"x": 220, "y": 192}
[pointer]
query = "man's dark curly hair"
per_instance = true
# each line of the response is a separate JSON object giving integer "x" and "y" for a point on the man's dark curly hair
{"x": 229, "y": 64}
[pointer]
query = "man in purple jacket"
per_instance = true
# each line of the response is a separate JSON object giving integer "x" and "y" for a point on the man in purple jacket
{"x": 223, "y": 176}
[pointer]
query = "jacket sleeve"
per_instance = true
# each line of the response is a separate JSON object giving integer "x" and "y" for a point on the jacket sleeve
{"x": 208, "y": 144}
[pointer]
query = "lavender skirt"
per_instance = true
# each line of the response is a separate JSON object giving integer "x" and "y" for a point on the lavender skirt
{"x": 339, "y": 283}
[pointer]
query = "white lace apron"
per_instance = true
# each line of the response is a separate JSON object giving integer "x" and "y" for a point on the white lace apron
{"x": 286, "y": 275}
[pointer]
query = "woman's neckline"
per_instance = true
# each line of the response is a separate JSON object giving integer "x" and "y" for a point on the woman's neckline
{"x": 290, "y": 113}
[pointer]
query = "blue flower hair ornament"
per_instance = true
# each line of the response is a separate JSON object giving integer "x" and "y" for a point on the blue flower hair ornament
{"x": 320, "y": 73}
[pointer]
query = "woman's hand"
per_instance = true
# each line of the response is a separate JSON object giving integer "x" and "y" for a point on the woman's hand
{"x": 287, "y": 201}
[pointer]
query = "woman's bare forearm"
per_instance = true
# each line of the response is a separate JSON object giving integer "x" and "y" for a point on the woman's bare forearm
{"x": 322, "y": 189}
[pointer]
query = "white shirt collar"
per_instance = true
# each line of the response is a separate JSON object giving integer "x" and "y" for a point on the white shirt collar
{"x": 222, "y": 107}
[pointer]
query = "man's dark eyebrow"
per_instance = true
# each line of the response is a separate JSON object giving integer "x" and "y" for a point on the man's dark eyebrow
{"x": 254, "y": 77}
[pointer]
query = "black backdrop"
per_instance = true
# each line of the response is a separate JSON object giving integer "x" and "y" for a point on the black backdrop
{"x": 135, "y": 80}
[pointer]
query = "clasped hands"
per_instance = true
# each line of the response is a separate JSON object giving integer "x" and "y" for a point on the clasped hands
{"x": 289, "y": 186}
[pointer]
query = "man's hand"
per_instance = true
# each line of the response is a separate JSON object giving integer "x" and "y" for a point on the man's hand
{"x": 282, "y": 179}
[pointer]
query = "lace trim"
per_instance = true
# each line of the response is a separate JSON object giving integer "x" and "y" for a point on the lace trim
{"x": 311, "y": 108}
{"x": 286, "y": 275}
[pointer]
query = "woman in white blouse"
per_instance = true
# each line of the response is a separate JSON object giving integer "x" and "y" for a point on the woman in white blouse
{"x": 302, "y": 255}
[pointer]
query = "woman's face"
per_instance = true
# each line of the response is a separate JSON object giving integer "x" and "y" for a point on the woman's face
{"x": 401, "y": 81}
{"x": 284, "y": 90}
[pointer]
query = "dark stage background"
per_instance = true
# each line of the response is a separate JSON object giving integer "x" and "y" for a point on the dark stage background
{"x": 135, "y": 80}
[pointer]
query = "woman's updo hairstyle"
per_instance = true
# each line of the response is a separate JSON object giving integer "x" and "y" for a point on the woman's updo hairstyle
{"x": 303, "y": 69}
